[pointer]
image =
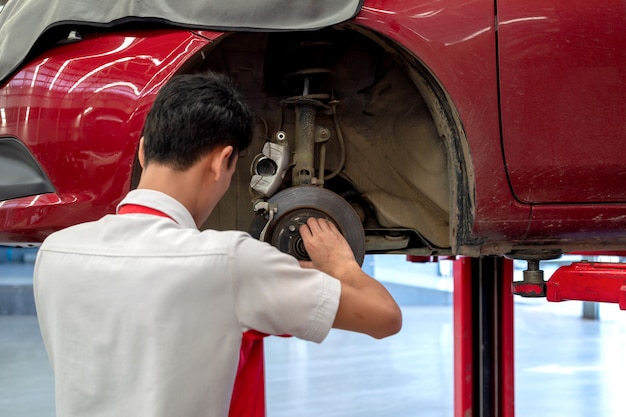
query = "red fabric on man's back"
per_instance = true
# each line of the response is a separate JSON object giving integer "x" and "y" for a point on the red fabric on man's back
{"x": 135, "y": 208}
{"x": 249, "y": 391}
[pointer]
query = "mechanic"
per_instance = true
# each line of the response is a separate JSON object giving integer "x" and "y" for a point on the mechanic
{"x": 143, "y": 314}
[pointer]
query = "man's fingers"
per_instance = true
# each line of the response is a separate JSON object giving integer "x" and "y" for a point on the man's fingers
{"x": 314, "y": 225}
{"x": 326, "y": 224}
{"x": 320, "y": 225}
{"x": 332, "y": 227}
{"x": 305, "y": 231}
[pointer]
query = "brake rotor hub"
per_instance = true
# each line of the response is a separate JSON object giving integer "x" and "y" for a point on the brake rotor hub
{"x": 293, "y": 206}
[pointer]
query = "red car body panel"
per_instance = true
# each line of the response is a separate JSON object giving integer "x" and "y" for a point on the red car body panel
{"x": 562, "y": 87}
{"x": 534, "y": 169}
{"x": 456, "y": 41}
{"x": 563, "y": 83}
{"x": 96, "y": 91}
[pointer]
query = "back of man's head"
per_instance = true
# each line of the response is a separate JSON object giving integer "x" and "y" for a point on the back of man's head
{"x": 192, "y": 115}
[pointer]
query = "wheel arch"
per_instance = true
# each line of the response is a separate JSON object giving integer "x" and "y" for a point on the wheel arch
{"x": 441, "y": 108}
{"x": 451, "y": 131}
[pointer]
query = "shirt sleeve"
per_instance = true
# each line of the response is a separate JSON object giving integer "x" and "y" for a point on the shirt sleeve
{"x": 274, "y": 295}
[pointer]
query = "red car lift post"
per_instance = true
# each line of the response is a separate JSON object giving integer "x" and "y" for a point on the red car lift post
{"x": 483, "y": 338}
{"x": 483, "y": 322}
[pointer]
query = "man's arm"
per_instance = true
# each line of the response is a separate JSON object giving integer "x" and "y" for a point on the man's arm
{"x": 365, "y": 306}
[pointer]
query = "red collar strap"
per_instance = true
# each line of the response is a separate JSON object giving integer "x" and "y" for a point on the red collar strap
{"x": 136, "y": 208}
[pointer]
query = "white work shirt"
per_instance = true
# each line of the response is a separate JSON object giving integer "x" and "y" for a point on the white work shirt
{"x": 143, "y": 315}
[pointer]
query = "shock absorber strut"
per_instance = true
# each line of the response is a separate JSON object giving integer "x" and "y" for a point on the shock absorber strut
{"x": 303, "y": 171}
{"x": 310, "y": 65}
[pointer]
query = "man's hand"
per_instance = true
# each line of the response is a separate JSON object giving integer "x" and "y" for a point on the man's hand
{"x": 365, "y": 305}
{"x": 328, "y": 249}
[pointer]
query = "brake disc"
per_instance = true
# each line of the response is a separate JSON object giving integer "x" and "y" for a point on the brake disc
{"x": 294, "y": 206}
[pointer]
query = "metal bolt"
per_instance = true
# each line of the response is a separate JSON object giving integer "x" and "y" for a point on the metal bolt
{"x": 533, "y": 275}
{"x": 532, "y": 284}
{"x": 281, "y": 136}
{"x": 322, "y": 134}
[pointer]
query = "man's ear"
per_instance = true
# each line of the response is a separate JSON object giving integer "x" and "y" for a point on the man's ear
{"x": 141, "y": 155}
{"x": 220, "y": 162}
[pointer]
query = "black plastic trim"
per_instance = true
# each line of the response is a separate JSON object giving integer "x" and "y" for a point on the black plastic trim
{"x": 20, "y": 174}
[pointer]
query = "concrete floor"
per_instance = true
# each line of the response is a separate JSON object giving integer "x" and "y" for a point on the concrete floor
{"x": 565, "y": 366}
{"x": 26, "y": 381}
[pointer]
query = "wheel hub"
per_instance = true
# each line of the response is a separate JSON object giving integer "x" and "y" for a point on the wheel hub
{"x": 294, "y": 206}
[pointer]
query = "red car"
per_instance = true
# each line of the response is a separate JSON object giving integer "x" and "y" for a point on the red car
{"x": 420, "y": 127}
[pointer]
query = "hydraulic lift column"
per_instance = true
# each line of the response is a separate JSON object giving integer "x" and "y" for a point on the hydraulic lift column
{"x": 483, "y": 338}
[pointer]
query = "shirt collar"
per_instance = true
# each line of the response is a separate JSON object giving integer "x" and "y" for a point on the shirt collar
{"x": 162, "y": 202}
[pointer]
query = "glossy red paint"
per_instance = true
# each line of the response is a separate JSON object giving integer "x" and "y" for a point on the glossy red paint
{"x": 563, "y": 83}
{"x": 96, "y": 93}
{"x": 456, "y": 41}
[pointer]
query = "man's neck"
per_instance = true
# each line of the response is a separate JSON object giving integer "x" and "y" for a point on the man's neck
{"x": 189, "y": 187}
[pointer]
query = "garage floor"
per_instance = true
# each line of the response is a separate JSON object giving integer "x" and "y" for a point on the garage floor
{"x": 565, "y": 366}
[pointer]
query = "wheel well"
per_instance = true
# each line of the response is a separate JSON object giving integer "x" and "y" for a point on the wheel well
{"x": 405, "y": 167}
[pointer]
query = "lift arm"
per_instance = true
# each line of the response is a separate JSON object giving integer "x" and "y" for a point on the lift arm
{"x": 589, "y": 281}
{"x": 584, "y": 281}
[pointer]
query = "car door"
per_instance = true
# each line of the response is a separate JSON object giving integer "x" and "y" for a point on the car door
{"x": 562, "y": 68}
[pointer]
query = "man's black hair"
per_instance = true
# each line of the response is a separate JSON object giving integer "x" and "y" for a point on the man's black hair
{"x": 192, "y": 115}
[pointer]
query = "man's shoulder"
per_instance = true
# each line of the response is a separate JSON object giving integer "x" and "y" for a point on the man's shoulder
{"x": 112, "y": 235}
{"x": 69, "y": 234}
{"x": 238, "y": 237}
{"x": 232, "y": 238}
{"x": 245, "y": 247}
{"x": 74, "y": 239}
